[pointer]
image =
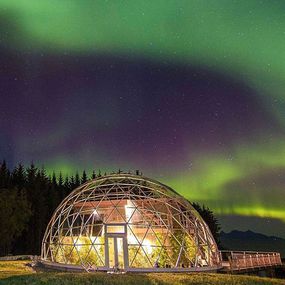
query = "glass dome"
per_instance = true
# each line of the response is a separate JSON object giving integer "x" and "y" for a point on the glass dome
{"x": 130, "y": 223}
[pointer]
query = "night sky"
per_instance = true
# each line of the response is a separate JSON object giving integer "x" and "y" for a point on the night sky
{"x": 189, "y": 92}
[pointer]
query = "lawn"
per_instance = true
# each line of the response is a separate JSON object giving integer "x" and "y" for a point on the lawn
{"x": 14, "y": 268}
{"x": 15, "y": 272}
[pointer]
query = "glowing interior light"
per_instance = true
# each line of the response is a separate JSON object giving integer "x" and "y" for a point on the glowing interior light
{"x": 78, "y": 243}
{"x": 120, "y": 244}
{"x": 129, "y": 210}
{"x": 95, "y": 213}
{"x": 132, "y": 239}
{"x": 97, "y": 244}
{"x": 147, "y": 246}
{"x": 93, "y": 239}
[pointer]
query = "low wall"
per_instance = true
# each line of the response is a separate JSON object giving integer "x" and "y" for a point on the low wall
{"x": 18, "y": 257}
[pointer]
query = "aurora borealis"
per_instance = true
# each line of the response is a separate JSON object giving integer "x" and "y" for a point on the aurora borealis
{"x": 189, "y": 92}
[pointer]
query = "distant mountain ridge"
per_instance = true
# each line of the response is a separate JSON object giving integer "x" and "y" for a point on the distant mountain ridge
{"x": 248, "y": 240}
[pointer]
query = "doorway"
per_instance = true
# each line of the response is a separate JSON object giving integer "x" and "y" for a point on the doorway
{"x": 116, "y": 248}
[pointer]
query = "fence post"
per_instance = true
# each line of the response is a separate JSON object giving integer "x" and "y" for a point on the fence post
{"x": 251, "y": 263}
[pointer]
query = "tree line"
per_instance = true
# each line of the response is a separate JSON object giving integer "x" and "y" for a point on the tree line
{"x": 28, "y": 198}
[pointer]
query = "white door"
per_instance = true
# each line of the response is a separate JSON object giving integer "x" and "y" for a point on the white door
{"x": 116, "y": 249}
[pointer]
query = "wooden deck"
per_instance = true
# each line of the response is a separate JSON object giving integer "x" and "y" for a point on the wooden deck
{"x": 234, "y": 261}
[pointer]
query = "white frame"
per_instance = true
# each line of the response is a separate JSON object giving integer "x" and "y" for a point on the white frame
{"x": 133, "y": 188}
{"x": 125, "y": 246}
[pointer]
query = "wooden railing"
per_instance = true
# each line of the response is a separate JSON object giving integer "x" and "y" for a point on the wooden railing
{"x": 239, "y": 260}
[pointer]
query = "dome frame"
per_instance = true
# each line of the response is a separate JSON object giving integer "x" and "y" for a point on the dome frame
{"x": 128, "y": 222}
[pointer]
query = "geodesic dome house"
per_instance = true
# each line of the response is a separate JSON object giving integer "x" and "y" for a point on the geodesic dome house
{"x": 131, "y": 223}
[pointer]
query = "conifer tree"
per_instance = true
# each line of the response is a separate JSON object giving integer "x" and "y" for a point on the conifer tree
{"x": 66, "y": 185}
{"x": 4, "y": 175}
{"x": 72, "y": 182}
{"x": 14, "y": 215}
{"x": 84, "y": 177}
{"x": 77, "y": 179}
{"x": 60, "y": 180}
{"x": 212, "y": 222}
{"x": 19, "y": 177}
{"x": 60, "y": 187}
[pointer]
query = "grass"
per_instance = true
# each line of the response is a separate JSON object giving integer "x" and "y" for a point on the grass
{"x": 14, "y": 268}
{"x": 16, "y": 273}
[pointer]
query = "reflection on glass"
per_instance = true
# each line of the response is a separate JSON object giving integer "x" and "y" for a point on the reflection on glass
{"x": 111, "y": 252}
{"x": 115, "y": 229}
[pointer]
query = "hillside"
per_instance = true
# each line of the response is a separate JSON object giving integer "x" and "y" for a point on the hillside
{"x": 248, "y": 240}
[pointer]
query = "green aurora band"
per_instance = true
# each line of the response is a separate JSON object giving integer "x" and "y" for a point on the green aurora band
{"x": 249, "y": 183}
{"x": 251, "y": 186}
{"x": 244, "y": 39}
{"x": 237, "y": 37}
